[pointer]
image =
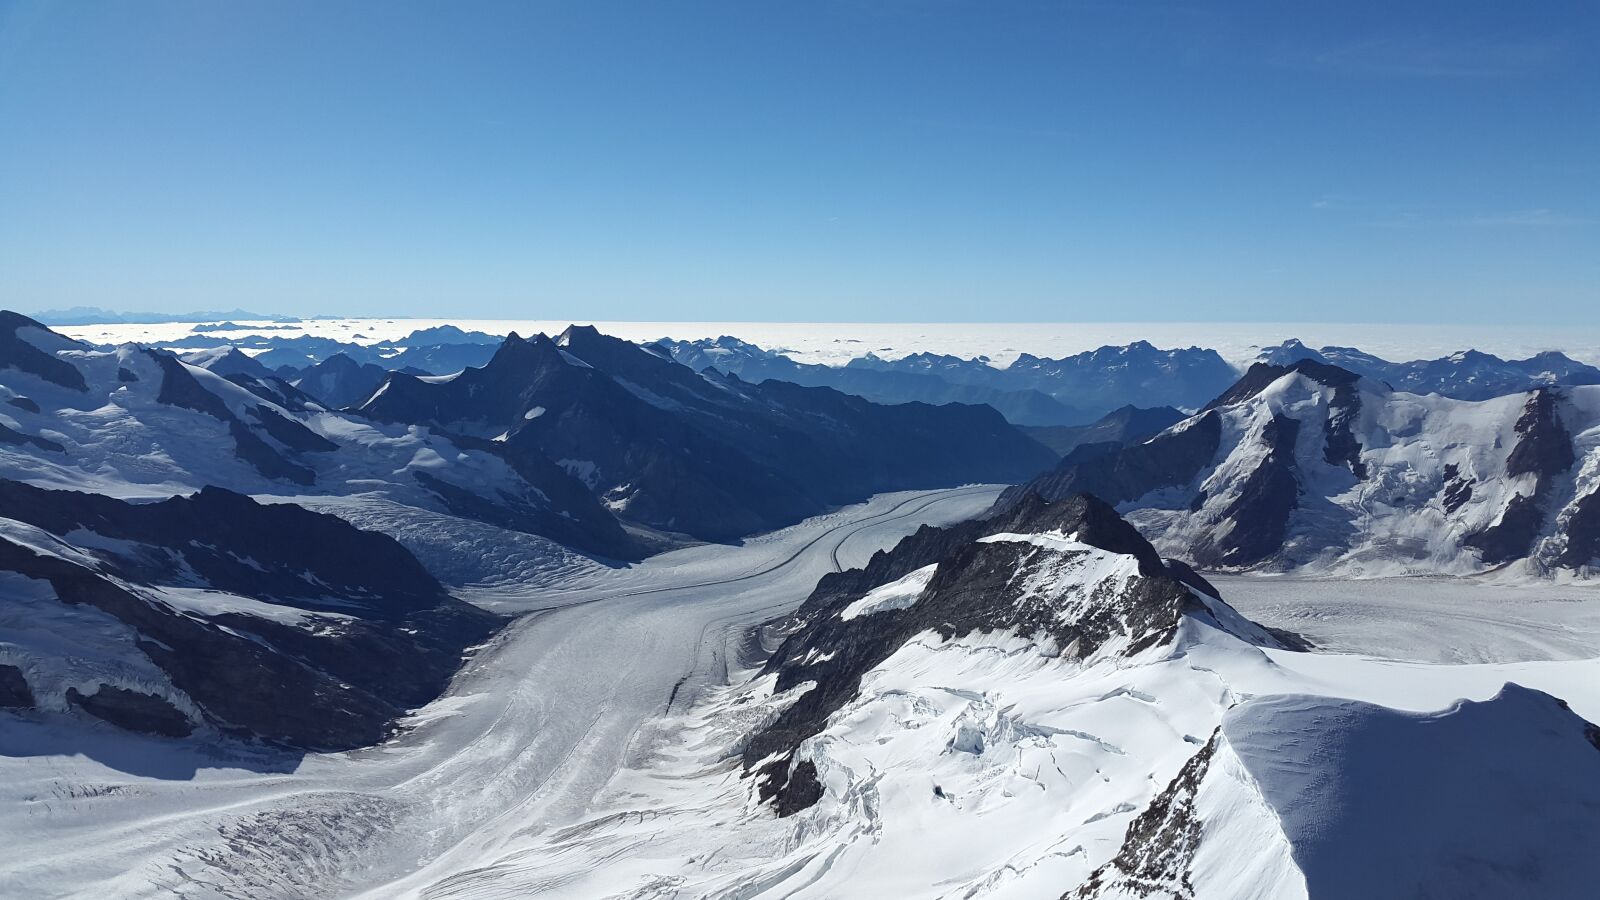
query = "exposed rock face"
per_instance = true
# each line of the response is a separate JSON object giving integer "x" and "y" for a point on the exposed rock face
{"x": 1309, "y": 796}
{"x": 309, "y": 632}
{"x": 1260, "y": 510}
{"x": 12, "y": 436}
{"x": 1022, "y": 571}
{"x": 1583, "y": 533}
{"x": 1457, "y": 490}
{"x": 1157, "y": 856}
{"x": 14, "y": 690}
{"x": 18, "y": 351}
{"x": 1543, "y": 450}
{"x": 133, "y": 711}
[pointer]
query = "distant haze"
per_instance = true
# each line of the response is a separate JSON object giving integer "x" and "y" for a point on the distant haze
{"x": 837, "y": 343}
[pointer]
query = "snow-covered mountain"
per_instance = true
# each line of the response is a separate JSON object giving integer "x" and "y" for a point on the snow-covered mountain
{"x": 1468, "y": 375}
{"x": 1314, "y": 467}
{"x": 702, "y": 454}
{"x": 218, "y": 614}
{"x": 133, "y": 422}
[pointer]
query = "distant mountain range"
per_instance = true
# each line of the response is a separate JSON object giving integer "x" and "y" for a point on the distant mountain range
{"x": 1033, "y": 390}
{"x": 94, "y": 315}
{"x": 1468, "y": 375}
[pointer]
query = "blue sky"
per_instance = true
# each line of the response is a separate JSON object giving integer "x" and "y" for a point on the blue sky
{"x": 861, "y": 161}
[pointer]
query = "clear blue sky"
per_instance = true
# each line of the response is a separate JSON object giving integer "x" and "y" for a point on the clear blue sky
{"x": 866, "y": 161}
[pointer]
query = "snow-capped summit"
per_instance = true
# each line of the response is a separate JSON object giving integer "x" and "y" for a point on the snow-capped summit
{"x": 1312, "y": 466}
{"x": 226, "y": 360}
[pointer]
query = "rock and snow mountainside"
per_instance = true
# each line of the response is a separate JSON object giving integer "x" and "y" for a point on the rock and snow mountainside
{"x": 1036, "y": 705}
{"x": 702, "y": 454}
{"x": 1303, "y": 796}
{"x": 1468, "y": 375}
{"x": 215, "y": 612}
{"x": 1070, "y": 574}
{"x": 1313, "y": 467}
{"x": 133, "y": 422}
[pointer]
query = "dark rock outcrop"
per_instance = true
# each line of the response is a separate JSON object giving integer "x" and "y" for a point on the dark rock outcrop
{"x": 18, "y": 353}
{"x": 1457, "y": 489}
{"x": 133, "y": 710}
{"x": 1543, "y": 450}
{"x": 14, "y": 690}
{"x": 1261, "y": 509}
{"x": 1583, "y": 533}
{"x": 1157, "y": 855}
